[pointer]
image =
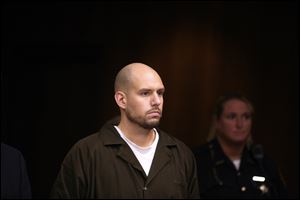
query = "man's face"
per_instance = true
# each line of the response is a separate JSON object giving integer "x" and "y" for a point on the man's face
{"x": 145, "y": 100}
{"x": 234, "y": 124}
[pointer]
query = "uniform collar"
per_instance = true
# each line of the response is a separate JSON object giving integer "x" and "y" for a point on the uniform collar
{"x": 220, "y": 157}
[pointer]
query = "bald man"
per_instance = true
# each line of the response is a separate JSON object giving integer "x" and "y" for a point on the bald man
{"x": 130, "y": 157}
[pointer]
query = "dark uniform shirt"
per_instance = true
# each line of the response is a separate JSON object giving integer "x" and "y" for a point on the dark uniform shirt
{"x": 218, "y": 177}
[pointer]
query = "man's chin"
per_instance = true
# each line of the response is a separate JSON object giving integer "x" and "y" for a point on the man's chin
{"x": 152, "y": 123}
{"x": 154, "y": 120}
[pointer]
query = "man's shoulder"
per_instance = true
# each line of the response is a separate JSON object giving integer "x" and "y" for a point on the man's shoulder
{"x": 173, "y": 141}
{"x": 170, "y": 139}
{"x": 87, "y": 143}
{"x": 104, "y": 128}
{"x": 89, "y": 139}
{"x": 97, "y": 139}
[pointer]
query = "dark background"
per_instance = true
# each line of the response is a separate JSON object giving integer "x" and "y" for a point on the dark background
{"x": 59, "y": 60}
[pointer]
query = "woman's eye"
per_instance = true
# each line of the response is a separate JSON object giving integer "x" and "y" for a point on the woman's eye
{"x": 231, "y": 116}
{"x": 247, "y": 116}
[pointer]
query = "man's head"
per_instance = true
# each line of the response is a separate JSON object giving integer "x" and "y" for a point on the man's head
{"x": 139, "y": 94}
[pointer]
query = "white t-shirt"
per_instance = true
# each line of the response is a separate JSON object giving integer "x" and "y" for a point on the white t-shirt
{"x": 237, "y": 163}
{"x": 143, "y": 154}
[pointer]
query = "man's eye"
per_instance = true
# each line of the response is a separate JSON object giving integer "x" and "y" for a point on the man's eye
{"x": 160, "y": 93}
{"x": 145, "y": 93}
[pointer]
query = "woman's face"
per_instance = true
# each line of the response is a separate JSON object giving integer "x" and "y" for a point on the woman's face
{"x": 234, "y": 124}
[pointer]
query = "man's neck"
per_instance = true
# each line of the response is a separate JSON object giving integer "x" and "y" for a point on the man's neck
{"x": 138, "y": 135}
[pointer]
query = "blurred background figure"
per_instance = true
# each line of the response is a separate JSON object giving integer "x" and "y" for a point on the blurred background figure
{"x": 230, "y": 165}
{"x": 14, "y": 178}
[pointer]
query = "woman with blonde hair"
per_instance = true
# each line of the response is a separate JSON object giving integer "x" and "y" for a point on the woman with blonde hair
{"x": 230, "y": 165}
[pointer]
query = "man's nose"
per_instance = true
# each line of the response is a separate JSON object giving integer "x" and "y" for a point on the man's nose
{"x": 156, "y": 99}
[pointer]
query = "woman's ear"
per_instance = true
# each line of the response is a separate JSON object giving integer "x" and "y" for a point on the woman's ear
{"x": 120, "y": 98}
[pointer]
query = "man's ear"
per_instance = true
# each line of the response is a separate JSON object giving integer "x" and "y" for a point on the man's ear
{"x": 120, "y": 98}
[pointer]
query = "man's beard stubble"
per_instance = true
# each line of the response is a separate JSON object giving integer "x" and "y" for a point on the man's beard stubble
{"x": 142, "y": 121}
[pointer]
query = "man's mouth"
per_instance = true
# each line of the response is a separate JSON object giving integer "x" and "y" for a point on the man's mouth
{"x": 154, "y": 113}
